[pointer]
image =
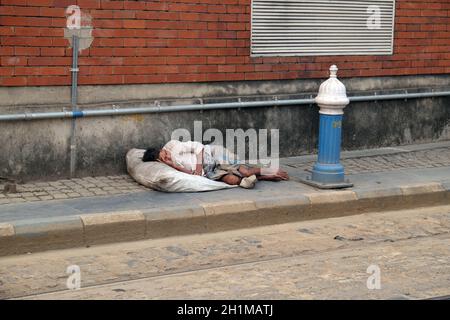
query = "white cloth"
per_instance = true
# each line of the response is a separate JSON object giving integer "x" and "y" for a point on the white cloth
{"x": 184, "y": 154}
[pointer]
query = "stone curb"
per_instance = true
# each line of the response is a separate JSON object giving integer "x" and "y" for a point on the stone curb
{"x": 34, "y": 235}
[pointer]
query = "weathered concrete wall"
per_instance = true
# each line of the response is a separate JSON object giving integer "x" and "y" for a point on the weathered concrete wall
{"x": 397, "y": 122}
{"x": 35, "y": 150}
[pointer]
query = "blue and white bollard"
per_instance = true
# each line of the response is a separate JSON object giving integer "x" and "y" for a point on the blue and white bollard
{"x": 328, "y": 172}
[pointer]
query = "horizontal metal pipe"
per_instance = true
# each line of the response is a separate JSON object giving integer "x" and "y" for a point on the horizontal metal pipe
{"x": 396, "y": 96}
{"x": 211, "y": 106}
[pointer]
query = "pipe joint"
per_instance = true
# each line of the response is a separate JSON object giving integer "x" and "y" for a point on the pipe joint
{"x": 77, "y": 114}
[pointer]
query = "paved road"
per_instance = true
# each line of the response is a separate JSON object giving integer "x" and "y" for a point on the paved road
{"x": 313, "y": 259}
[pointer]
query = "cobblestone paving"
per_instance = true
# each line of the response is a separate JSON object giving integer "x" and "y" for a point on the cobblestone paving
{"x": 302, "y": 260}
{"x": 73, "y": 188}
{"x": 439, "y": 157}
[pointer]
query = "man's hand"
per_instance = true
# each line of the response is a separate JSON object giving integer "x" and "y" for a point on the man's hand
{"x": 168, "y": 160}
{"x": 182, "y": 169}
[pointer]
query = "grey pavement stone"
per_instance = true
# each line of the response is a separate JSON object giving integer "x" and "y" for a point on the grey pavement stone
{"x": 33, "y": 227}
{"x": 378, "y": 193}
{"x": 38, "y": 209}
{"x": 46, "y": 197}
{"x": 15, "y": 195}
{"x": 40, "y": 193}
{"x": 49, "y": 188}
{"x": 99, "y": 192}
{"x": 112, "y": 227}
{"x": 73, "y": 195}
{"x": 42, "y": 184}
{"x": 27, "y": 194}
{"x": 174, "y": 221}
{"x": 60, "y": 196}
{"x": 45, "y": 234}
{"x": 31, "y": 199}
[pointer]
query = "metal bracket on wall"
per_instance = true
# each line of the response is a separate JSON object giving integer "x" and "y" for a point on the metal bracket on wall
{"x": 201, "y": 103}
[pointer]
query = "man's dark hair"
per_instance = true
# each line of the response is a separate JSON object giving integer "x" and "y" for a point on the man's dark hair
{"x": 151, "y": 154}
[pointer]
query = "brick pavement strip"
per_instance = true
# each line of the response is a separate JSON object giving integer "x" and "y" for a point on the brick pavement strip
{"x": 75, "y": 188}
{"x": 439, "y": 157}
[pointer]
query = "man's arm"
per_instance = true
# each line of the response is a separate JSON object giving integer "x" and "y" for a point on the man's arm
{"x": 186, "y": 147}
{"x": 199, "y": 164}
{"x": 179, "y": 168}
{"x": 197, "y": 149}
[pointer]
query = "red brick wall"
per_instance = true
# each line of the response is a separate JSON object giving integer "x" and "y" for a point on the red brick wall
{"x": 193, "y": 40}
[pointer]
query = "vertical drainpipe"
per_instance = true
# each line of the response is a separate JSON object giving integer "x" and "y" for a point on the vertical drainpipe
{"x": 74, "y": 103}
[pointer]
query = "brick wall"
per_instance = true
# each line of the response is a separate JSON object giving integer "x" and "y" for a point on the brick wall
{"x": 193, "y": 40}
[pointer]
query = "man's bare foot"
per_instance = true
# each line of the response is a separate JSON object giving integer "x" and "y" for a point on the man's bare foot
{"x": 264, "y": 173}
{"x": 273, "y": 175}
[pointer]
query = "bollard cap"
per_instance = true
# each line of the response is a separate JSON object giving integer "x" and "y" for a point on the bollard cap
{"x": 332, "y": 97}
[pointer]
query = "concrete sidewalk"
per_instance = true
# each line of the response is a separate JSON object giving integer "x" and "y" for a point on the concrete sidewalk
{"x": 116, "y": 209}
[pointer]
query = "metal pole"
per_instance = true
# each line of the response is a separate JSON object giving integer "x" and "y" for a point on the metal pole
{"x": 74, "y": 103}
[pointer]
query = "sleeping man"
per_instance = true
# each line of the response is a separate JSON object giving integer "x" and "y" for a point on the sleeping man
{"x": 211, "y": 161}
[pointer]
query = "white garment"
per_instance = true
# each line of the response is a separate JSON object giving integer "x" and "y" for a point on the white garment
{"x": 184, "y": 154}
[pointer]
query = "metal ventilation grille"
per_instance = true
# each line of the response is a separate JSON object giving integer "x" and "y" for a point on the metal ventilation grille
{"x": 321, "y": 27}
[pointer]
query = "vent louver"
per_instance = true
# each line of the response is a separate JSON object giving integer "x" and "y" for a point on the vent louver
{"x": 322, "y": 27}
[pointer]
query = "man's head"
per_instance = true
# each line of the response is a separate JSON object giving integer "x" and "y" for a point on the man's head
{"x": 151, "y": 154}
{"x": 157, "y": 154}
